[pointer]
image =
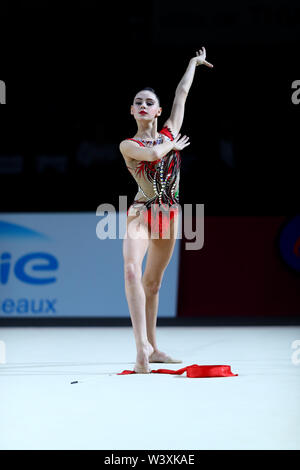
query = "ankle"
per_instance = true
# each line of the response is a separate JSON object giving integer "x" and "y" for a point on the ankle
{"x": 152, "y": 344}
{"x": 141, "y": 347}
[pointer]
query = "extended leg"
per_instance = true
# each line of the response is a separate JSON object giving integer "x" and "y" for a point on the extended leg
{"x": 134, "y": 249}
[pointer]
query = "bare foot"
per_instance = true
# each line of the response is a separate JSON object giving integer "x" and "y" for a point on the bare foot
{"x": 159, "y": 356}
{"x": 142, "y": 362}
{"x": 150, "y": 349}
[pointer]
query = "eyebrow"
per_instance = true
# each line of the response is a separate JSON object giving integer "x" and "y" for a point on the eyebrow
{"x": 152, "y": 99}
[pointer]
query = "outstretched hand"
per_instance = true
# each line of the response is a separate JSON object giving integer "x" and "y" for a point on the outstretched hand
{"x": 179, "y": 144}
{"x": 200, "y": 58}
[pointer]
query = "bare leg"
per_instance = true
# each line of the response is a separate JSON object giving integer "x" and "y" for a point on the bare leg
{"x": 159, "y": 255}
{"x": 152, "y": 299}
{"x": 134, "y": 249}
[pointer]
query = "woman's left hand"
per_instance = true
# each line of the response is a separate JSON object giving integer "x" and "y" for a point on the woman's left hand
{"x": 200, "y": 58}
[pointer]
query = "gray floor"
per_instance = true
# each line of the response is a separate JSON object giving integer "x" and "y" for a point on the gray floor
{"x": 40, "y": 409}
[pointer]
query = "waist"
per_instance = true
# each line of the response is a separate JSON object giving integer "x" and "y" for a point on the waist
{"x": 137, "y": 202}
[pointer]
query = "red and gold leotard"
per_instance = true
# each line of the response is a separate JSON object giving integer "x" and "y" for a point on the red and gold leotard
{"x": 158, "y": 186}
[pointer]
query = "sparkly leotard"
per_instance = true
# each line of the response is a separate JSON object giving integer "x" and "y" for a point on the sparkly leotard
{"x": 158, "y": 186}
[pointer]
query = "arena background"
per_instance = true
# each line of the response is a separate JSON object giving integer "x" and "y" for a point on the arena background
{"x": 71, "y": 71}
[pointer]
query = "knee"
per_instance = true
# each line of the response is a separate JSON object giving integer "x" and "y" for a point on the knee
{"x": 132, "y": 271}
{"x": 151, "y": 287}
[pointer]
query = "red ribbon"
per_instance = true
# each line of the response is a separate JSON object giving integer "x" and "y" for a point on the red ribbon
{"x": 193, "y": 371}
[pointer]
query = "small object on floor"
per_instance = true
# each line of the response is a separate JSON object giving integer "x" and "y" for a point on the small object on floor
{"x": 75, "y": 382}
{"x": 194, "y": 371}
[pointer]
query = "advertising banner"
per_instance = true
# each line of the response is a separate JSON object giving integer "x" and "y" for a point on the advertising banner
{"x": 55, "y": 265}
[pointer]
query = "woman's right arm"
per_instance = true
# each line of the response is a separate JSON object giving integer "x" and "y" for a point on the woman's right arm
{"x": 131, "y": 149}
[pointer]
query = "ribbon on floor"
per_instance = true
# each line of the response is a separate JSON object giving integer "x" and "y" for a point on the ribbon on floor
{"x": 193, "y": 371}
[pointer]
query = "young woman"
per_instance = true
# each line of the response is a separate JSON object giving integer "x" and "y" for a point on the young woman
{"x": 153, "y": 159}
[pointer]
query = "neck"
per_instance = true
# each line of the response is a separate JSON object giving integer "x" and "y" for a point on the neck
{"x": 147, "y": 129}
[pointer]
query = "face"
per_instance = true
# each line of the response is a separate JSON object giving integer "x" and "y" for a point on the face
{"x": 145, "y": 106}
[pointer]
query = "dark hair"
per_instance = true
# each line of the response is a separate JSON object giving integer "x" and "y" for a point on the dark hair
{"x": 153, "y": 91}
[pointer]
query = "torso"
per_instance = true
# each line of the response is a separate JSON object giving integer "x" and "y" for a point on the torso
{"x": 148, "y": 143}
{"x": 158, "y": 181}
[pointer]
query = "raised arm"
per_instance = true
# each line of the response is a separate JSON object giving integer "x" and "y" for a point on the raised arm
{"x": 176, "y": 118}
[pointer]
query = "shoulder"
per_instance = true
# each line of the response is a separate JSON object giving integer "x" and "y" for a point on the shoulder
{"x": 129, "y": 143}
{"x": 126, "y": 146}
{"x": 168, "y": 131}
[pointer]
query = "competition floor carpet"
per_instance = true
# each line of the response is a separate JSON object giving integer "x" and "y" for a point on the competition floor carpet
{"x": 41, "y": 409}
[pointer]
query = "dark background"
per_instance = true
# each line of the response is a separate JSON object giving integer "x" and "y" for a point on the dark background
{"x": 71, "y": 72}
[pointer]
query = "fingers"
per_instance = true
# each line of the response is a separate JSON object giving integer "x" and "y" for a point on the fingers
{"x": 185, "y": 140}
{"x": 182, "y": 143}
{"x": 201, "y": 51}
{"x": 182, "y": 146}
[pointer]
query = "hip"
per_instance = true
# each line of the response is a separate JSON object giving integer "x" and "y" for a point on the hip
{"x": 138, "y": 207}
